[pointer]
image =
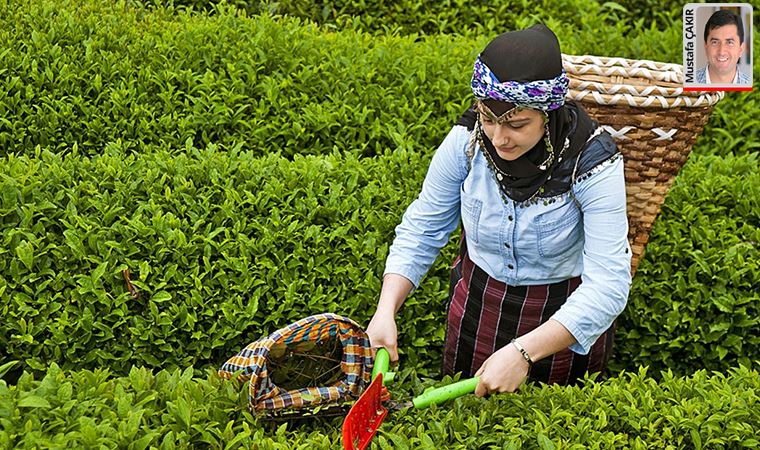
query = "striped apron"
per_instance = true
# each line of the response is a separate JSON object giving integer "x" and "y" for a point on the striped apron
{"x": 485, "y": 314}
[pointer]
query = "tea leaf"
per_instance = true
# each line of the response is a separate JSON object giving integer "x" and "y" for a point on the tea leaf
{"x": 33, "y": 401}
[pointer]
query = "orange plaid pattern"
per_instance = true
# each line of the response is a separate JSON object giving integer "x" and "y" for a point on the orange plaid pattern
{"x": 356, "y": 364}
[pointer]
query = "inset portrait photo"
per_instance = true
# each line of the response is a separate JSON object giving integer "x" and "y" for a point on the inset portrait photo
{"x": 717, "y": 50}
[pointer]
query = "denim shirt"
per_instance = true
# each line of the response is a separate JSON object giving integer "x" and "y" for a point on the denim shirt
{"x": 739, "y": 78}
{"x": 533, "y": 243}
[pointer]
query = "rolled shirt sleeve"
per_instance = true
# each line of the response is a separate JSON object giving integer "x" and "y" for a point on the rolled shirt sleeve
{"x": 606, "y": 275}
{"x": 432, "y": 217}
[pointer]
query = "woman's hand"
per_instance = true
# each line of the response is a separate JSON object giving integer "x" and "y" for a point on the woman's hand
{"x": 382, "y": 333}
{"x": 382, "y": 328}
{"x": 504, "y": 371}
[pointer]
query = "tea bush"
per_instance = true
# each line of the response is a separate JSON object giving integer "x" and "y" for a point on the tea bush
{"x": 98, "y": 74}
{"x": 732, "y": 128}
{"x": 171, "y": 409}
{"x": 225, "y": 247}
{"x": 95, "y": 74}
{"x": 694, "y": 300}
{"x": 235, "y": 231}
{"x": 448, "y": 16}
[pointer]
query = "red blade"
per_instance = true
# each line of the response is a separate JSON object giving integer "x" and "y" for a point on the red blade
{"x": 365, "y": 417}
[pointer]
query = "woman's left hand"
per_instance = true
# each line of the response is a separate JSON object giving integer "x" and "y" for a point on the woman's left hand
{"x": 504, "y": 371}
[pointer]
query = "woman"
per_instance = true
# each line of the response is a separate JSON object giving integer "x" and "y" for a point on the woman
{"x": 544, "y": 264}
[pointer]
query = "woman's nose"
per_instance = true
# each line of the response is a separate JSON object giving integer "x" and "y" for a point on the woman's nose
{"x": 501, "y": 136}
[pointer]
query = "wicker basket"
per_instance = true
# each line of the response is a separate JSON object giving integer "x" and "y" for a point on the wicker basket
{"x": 654, "y": 122}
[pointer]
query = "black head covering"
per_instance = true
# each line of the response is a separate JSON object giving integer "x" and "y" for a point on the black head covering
{"x": 525, "y": 55}
{"x": 530, "y": 55}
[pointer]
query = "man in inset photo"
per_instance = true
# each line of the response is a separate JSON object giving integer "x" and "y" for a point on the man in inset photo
{"x": 724, "y": 44}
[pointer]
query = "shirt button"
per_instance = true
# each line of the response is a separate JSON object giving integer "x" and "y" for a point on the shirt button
{"x": 511, "y": 267}
{"x": 510, "y": 218}
{"x": 506, "y": 244}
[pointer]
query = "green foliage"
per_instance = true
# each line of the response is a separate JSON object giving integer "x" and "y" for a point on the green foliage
{"x": 451, "y": 17}
{"x": 733, "y": 126}
{"x": 230, "y": 232}
{"x": 171, "y": 409}
{"x": 223, "y": 246}
{"x": 96, "y": 74}
{"x": 694, "y": 301}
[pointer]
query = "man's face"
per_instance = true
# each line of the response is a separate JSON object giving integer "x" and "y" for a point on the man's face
{"x": 723, "y": 49}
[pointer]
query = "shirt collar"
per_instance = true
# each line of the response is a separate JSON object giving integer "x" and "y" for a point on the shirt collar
{"x": 707, "y": 76}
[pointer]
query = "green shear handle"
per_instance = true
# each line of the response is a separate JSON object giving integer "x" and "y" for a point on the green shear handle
{"x": 430, "y": 396}
{"x": 445, "y": 393}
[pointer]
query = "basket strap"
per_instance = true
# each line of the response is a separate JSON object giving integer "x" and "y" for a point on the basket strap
{"x": 470, "y": 150}
{"x": 599, "y": 130}
{"x": 572, "y": 180}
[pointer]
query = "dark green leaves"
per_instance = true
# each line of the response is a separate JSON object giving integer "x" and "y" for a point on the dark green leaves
{"x": 223, "y": 247}
{"x": 694, "y": 303}
{"x": 181, "y": 409}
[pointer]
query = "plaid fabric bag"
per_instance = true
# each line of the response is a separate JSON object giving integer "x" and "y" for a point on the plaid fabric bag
{"x": 318, "y": 360}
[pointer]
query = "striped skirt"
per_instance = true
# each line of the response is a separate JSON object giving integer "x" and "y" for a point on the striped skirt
{"x": 485, "y": 314}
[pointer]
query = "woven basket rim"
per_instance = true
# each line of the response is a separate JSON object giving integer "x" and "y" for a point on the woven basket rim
{"x": 644, "y": 101}
{"x": 667, "y": 92}
{"x": 624, "y": 63}
{"x": 644, "y": 91}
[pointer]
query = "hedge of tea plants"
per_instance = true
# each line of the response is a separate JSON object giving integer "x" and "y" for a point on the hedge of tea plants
{"x": 221, "y": 246}
{"x": 225, "y": 246}
{"x": 177, "y": 409}
{"x": 450, "y": 16}
{"x": 96, "y": 75}
{"x": 248, "y": 171}
{"x": 695, "y": 296}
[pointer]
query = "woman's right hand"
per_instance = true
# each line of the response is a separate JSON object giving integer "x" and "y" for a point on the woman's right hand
{"x": 382, "y": 332}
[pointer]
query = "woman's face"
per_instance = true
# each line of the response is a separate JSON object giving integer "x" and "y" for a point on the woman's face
{"x": 512, "y": 136}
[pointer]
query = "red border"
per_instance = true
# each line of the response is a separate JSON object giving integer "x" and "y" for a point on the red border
{"x": 748, "y": 88}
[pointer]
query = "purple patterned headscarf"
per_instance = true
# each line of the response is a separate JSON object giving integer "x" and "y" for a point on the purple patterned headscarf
{"x": 544, "y": 95}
